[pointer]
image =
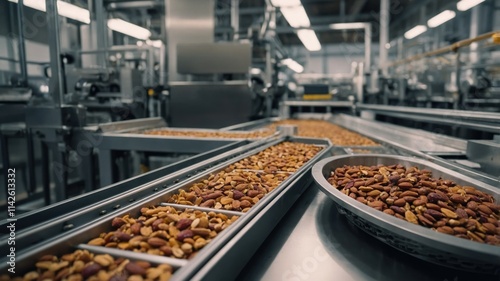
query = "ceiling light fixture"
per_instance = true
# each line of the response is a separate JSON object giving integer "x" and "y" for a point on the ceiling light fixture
{"x": 293, "y": 65}
{"x": 416, "y": 31}
{"x": 441, "y": 18}
{"x": 347, "y": 25}
{"x": 129, "y": 29}
{"x": 64, "y": 9}
{"x": 285, "y": 3}
{"x": 464, "y": 5}
{"x": 296, "y": 16}
{"x": 309, "y": 39}
{"x": 71, "y": 11}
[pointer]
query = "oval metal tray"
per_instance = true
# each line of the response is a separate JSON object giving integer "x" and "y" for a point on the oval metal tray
{"x": 416, "y": 240}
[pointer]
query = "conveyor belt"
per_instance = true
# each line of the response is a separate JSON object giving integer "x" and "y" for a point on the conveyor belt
{"x": 65, "y": 241}
{"x": 484, "y": 121}
{"x": 436, "y": 148}
{"x": 69, "y": 214}
{"x": 427, "y": 146}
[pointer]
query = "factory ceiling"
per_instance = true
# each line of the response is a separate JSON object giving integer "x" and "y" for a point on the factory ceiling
{"x": 403, "y": 15}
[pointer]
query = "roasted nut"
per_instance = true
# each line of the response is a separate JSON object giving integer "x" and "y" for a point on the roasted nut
{"x": 413, "y": 195}
{"x": 410, "y": 216}
{"x": 117, "y": 222}
{"x": 183, "y": 223}
{"x": 485, "y": 209}
{"x": 156, "y": 242}
{"x": 448, "y": 213}
{"x": 121, "y": 236}
{"x": 90, "y": 270}
{"x": 187, "y": 233}
{"x": 135, "y": 269}
{"x": 446, "y": 229}
{"x": 434, "y": 197}
{"x": 135, "y": 228}
{"x": 104, "y": 260}
{"x": 97, "y": 242}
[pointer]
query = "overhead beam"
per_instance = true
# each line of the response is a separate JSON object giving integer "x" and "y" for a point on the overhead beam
{"x": 318, "y": 20}
{"x": 135, "y": 5}
{"x": 243, "y": 11}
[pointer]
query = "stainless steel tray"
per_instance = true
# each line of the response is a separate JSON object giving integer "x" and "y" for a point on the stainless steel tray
{"x": 61, "y": 243}
{"x": 413, "y": 239}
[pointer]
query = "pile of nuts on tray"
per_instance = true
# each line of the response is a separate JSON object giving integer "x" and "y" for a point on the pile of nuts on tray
{"x": 243, "y": 184}
{"x": 284, "y": 157}
{"x": 211, "y": 134}
{"x": 167, "y": 231}
{"x": 414, "y": 195}
{"x": 83, "y": 265}
{"x": 323, "y": 129}
{"x": 234, "y": 190}
{"x": 164, "y": 231}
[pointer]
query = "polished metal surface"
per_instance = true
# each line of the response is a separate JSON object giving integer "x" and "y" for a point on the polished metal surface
{"x": 58, "y": 244}
{"x": 187, "y": 21}
{"x": 208, "y": 105}
{"x": 130, "y": 125}
{"x": 246, "y": 243}
{"x": 20, "y": 43}
{"x": 258, "y": 223}
{"x": 250, "y": 125}
{"x": 314, "y": 242}
{"x": 318, "y": 103}
{"x": 56, "y": 82}
{"x": 413, "y": 239}
{"x": 448, "y": 113}
{"x": 212, "y": 58}
{"x": 288, "y": 130}
{"x": 486, "y": 153}
{"x": 57, "y": 216}
{"x": 409, "y": 138}
{"x": 153, "y": 143}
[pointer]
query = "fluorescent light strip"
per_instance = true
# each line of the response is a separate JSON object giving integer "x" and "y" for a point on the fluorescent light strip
{"x": 464, "y": 5}
{"x": 34, "y": 4}
{"x": 347, "y": 25}
{"x": 441, "y": 18}
{"x": 309, "y": 39}
{"x": 293, "y": 65}
{"x": 285, "y": 3}
{"x": 71, "y": 11}
{"x": 64, "y": 9}
{"x": 296, "y": 16}
{"x": 416, "y": 31}
{"x": 129, "y": 29}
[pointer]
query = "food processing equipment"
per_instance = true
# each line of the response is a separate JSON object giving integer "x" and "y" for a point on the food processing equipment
{"x": 149, "y": 190}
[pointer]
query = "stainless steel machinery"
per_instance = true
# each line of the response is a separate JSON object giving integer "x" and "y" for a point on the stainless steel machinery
{"x": 255, "y": 247}
{"x": 248, "y": 228}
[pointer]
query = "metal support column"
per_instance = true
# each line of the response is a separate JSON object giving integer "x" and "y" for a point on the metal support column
{"x": 102, "y": 38}
{"x": 384, "y": 35}
{"x": 106, "y": 167}
{"x": 20, "y": 42}
{"x": 56, "y": 79}
{"x": 235, "y": 18}
{"x": 31, "y": 162}
{"x": 59, "y": 167}
{"x": 368, "y": 47}
{"x": 46, "y": 173}
{"x": 474, "y": 32}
